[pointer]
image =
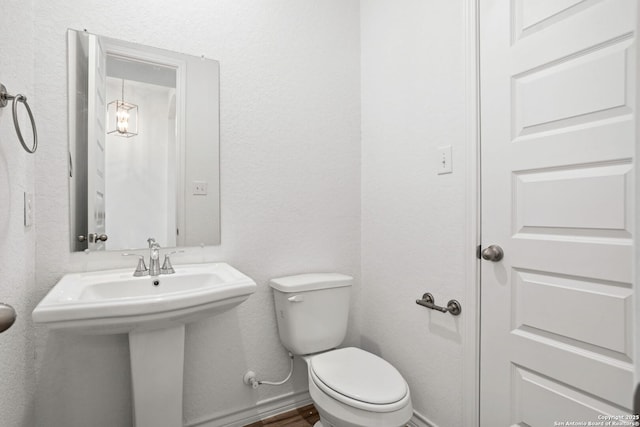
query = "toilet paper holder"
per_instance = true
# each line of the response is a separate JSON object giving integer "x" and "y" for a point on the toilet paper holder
{"x": 453, "y": 306}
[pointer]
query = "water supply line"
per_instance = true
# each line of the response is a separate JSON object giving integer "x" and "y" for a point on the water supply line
{"x": 250, "y": 377}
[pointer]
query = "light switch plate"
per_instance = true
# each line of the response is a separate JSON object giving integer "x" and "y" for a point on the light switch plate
{"x": 28, "y": 209}
{"x": 200, "y": 188}
{"x": 444, "y": 160}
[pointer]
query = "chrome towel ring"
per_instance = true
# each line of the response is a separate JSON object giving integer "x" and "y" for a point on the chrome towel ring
{"x": 4, "y": 100}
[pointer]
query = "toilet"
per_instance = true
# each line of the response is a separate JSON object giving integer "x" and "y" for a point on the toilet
{"x": 349, "y": 386}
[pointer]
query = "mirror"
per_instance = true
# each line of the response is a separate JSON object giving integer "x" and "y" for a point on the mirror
{"x": 143, "y": 145}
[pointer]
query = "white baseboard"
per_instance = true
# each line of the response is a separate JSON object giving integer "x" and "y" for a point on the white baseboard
{"x": 419, "y": 420}
{"x": 262, "y": 409}
{"x": 274, "y": 406}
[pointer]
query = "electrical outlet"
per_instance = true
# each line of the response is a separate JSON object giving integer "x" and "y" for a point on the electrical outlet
{"x": 444, "y": 160}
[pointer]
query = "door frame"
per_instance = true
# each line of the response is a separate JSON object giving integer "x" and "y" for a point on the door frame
{"x": 471, "y": 323}
{"x": 636, "y": 225}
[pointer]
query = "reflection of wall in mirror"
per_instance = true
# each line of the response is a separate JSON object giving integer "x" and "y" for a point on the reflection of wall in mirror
{"x": 140, "y": 171}
{"x": 202, "y": 212}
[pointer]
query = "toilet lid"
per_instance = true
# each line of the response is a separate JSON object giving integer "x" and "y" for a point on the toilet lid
{"x": 360, "y": 375}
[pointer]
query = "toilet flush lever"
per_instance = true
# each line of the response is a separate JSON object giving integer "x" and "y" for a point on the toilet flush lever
{"x": 452, "y": 307}
{"x": 296, "y": 298}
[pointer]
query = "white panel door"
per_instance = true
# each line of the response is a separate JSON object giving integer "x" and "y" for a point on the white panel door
{"x": 96, "y": 136}
{"x": 557, "y": 81}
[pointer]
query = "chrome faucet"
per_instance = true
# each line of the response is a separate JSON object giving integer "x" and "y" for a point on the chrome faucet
{"x": 154, "y": 257}
{"x": 154, "y": 261}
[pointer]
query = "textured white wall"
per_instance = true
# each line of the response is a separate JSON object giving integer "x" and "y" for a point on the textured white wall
{"x": 17, "y": 243}
{"x": 412, "y": 218}
{"x": 290, "y": 173}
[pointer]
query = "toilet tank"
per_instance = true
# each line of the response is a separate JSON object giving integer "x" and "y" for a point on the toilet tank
{"x": 312, "y": 310}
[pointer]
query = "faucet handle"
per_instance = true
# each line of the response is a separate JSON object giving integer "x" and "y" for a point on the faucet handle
{"x": 167, "y": 268}
{"x": 141, "y": 269}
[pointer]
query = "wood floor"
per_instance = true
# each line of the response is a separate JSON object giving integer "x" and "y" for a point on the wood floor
{"x": 305, "y": 416}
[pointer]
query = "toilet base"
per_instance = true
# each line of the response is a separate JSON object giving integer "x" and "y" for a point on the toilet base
{"x": 323, "y": 423}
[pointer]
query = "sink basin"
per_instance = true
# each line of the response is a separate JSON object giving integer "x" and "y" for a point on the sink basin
{"x": 113, "y": 301}
{"x": 153, "y": 311}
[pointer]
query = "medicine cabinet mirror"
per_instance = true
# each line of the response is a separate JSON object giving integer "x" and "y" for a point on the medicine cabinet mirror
{"x": 143, "y": 145}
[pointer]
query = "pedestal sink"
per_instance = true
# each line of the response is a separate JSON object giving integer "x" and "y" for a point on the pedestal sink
{"x": 153, "y": 311}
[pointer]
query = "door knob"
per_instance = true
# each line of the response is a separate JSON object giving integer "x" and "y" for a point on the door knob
{"x": 493, "y": 253}
{"x": 95, "y": 237}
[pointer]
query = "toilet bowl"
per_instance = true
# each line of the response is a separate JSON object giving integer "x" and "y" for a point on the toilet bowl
{"x": 350, "y": 387}
{"x": 353, "y": 388}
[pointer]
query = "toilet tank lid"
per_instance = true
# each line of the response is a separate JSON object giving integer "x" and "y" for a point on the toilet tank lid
{"x": 310, "y": 282}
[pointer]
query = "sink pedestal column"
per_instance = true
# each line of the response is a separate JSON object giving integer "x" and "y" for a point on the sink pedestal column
{"x": 157, "y": 367}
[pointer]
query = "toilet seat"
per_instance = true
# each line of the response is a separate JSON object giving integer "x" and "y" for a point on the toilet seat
{"x": 359, "y": 379}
